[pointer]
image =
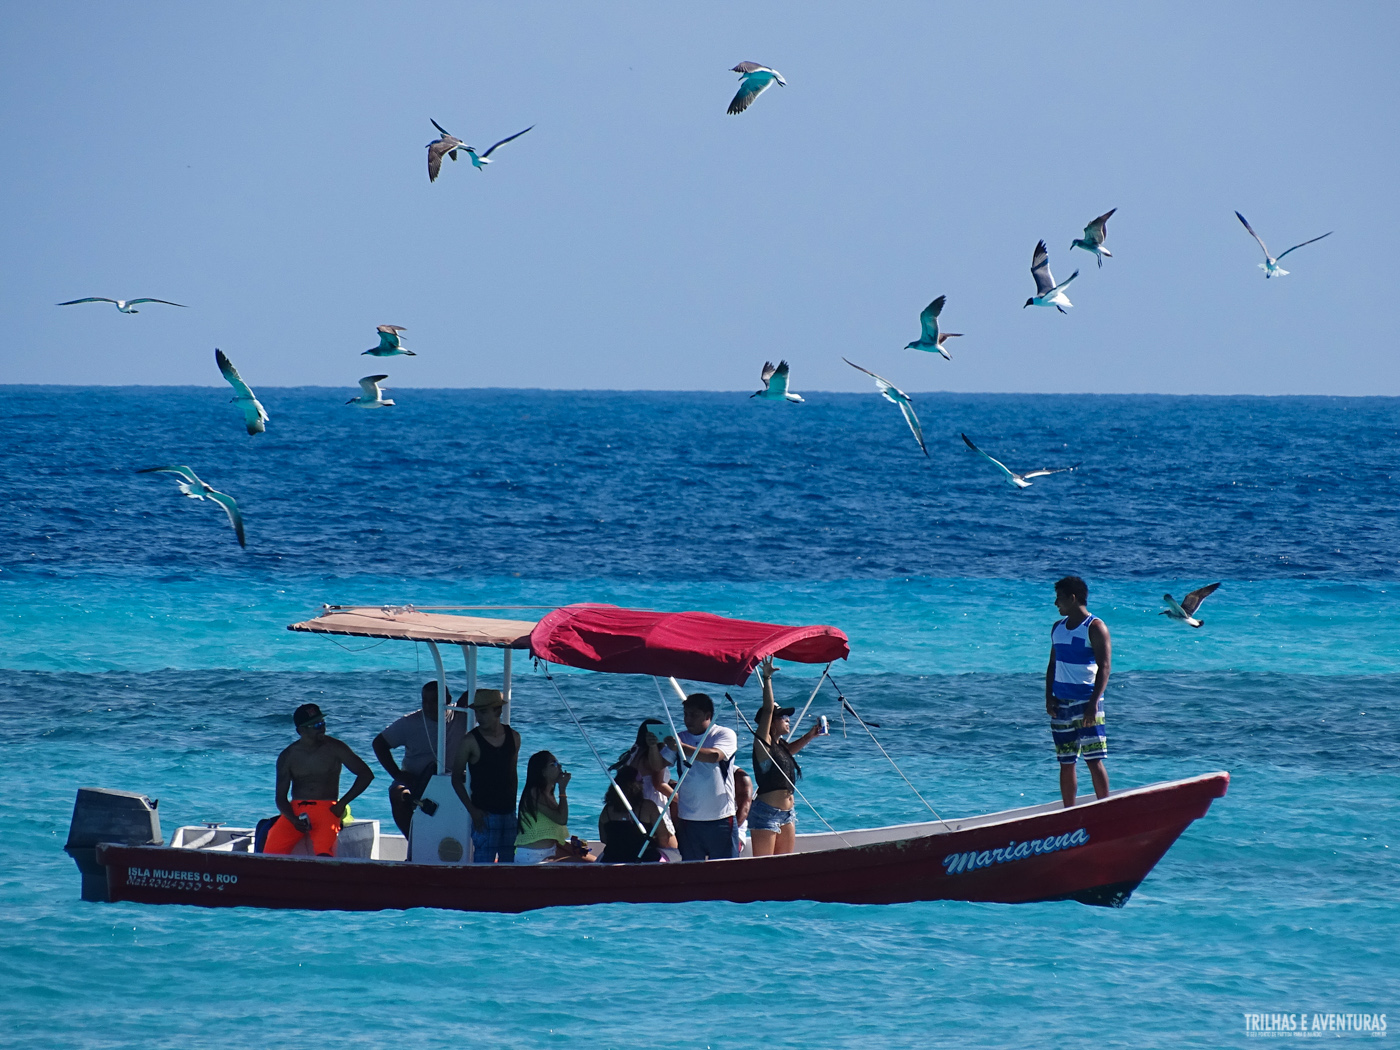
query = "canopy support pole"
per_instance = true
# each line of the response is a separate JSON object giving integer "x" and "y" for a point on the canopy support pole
{"x": 469, "y": 658}
{"x": 441, "y": 709}
{"x": 505, "y": 687}
{"x": 803, "y": 714}
{"x": 601, "y": 764}
{"x": 847, "y": 705}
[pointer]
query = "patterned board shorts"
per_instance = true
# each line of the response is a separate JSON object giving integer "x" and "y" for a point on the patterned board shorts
{"x": 1073, "y": 738}
{"x": 496, "y": 841}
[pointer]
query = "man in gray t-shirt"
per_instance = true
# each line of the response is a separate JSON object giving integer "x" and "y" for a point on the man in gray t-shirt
{"x": 416, "y": 733}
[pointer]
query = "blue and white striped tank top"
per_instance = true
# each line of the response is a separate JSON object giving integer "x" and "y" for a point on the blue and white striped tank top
{"x": 1075, "y": 665}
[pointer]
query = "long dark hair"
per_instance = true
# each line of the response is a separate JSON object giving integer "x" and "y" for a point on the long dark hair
{"x": 627, "y": 784}
{"x": 639, "y": 746}
{"x": 534, "y": 784}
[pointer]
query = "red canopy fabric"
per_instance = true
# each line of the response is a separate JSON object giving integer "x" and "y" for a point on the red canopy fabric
{"x": 692, "y": 645}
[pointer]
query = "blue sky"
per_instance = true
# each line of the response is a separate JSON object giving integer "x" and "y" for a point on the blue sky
{"x": 265, "y": 165}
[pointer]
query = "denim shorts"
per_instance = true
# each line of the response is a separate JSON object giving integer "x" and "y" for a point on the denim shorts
{"x": 763, "y": 817}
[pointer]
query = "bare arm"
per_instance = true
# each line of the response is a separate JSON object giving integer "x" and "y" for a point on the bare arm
{"x": 467, "y": 753}
{"x": 385, "y": 754}
{"x": 1050, "y": 685}
{"x": 802, "y": 741}
{"x": 284, "y": 787}
{"x": 363, "y": 776}
{"x": 1103, "y": 656}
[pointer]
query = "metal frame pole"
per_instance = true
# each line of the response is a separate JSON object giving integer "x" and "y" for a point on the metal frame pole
{"x": 505, "y": 687}
{"x": 793, "y": 731}
{"x": 441, "y": 709}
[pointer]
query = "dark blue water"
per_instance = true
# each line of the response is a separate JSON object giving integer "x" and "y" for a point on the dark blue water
{"x": 140, "y": 648}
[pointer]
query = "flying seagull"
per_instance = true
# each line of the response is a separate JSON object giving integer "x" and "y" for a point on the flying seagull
{"x": 932, "y": 340}
{"x": 372, "y": 397}
{"x": 484, "y": 159}
{"x": 254, "y": 415}
{"x": 1047, "y": 292}
{"x": 1094, "y": 234}
{"x": 1020, "y": 481}
{"x": 1185, "y": 612}
{"x": 448, "y": 144}
{"x": 896, "y": 396}
{"x": 1270, "y": 265}
{"x": 389, "y": 344}
{"x": 191, "y": 483}
{"x": 128, "y": 306}
{"x": 775, "y": 384}
{"x": 754, "y": 80}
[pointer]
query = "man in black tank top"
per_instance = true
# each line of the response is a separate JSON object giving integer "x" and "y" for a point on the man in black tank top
{"x": 490, "y": 752}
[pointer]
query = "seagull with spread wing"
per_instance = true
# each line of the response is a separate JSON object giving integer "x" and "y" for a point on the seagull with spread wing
{"x": 1019, "y": 481}
{"x": 191, "y": 486}
{"x": 932, "y": 339}
{"x": 389, "y": 342}
{"x": 1047, "y": 292}
{"x": 480, "y": 161}
{"x": 254, "y": 415}
{"x": 754, "y": 80}
{"x": 1186, "y": 611}
{"x": 126, "y": 306}
{"x": 894, "y": 395}
{"x": 1094, "y": 233}
{"x": 1270, "y": 265}
{"x": 373, "y": 396}
{"x": 447, "y": 144}
{"x": 775, "y": 384}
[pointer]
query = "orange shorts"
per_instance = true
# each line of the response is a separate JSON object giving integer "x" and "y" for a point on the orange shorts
{"x": 283, "y": 836}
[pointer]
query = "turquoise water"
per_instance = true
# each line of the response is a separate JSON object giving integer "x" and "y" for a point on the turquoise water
{"x": 141, "y": 649}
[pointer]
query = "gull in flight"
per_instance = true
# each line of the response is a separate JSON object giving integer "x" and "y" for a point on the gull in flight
{"x": 1270, "y": 265}
{"x": 389, "y": 344}
{"x": 775, "y": 384}
{"x": 898, "y": 397}
{"x": 1092, "y": 240}
{"x": 932, "y": 340}
{"x": 754, "y": 81}
{"x": 128, "y": 306}
{"x": 1047, "y": 292}
{"x": 1020, "y": 481}
{"x": 1185, "y": 612}
{"x": 254, "y": 415}
{"x": 448, "y": 144}
{"x": 191, "y": 483}
{"x": 484, "y": 159}
{"x": 372, "y": 397}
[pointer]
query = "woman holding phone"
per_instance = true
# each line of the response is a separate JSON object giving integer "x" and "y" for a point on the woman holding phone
{"x": 773, "y": 816}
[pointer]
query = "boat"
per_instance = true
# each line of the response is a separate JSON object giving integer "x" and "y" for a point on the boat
{"x": 1096, "y": 852}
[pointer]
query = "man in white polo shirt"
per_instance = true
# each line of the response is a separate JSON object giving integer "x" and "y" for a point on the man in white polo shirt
{"x": 705, "y": 801}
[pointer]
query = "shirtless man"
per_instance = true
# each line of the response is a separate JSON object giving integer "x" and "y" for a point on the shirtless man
{"x": 310, "y": 770}
{"x": 490, "y": 751}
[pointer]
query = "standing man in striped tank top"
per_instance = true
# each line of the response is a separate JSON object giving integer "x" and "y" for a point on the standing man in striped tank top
{"x": 1080, "y": 655}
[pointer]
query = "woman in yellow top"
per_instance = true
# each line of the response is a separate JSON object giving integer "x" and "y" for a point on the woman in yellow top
{"x": 542, "y": 821}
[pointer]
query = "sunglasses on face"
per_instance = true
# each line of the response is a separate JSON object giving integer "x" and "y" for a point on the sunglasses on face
{"x": 494, "y": 707}
{"x": 319, "y": 724}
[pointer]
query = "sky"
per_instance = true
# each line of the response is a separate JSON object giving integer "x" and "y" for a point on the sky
{"x": 265, "y": 165}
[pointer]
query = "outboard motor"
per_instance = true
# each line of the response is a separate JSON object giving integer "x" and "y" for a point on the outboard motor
{"x": 102, "y": 815}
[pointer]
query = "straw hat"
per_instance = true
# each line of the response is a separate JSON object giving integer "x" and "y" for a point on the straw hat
{"x": 487, "y": 698}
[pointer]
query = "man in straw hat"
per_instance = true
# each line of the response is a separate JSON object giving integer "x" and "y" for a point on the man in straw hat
{"x": 490, "y": 751}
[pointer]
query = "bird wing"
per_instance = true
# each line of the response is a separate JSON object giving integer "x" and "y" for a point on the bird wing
{"x": 441, "y": 130}
{"x": 1045, "y": 471}
{"x": 884, "y": 384}
{"x": 183, "y": 471}
{"x": 1297, "y": 246}
{"x": 1174, "y": 608}
{"x": 929, "y": 318}
{"x": 1250, "y": 228}
{"x": 503, "y": 142}
{"x": 435, "y": 152}
{"x": 1040, "y": 269}
{"x": 1063, "y": 284}
{"x": 230, "y": 506}
{"x": 1095, "y": 232}
{"x": 768, "y": 369}
{"x": 750, "y": 88}
{"x": 167, "y": 302}
{"x": 370, "y": 385}
{"x": 1192, "y": 601}
{"x": 778, "y": 382}
{"x": 231, "y": 374}
{"x": 991, "y": 459}
{"x": 751, "y": 67}
{"x": 388, "y": 336}
{"x": 907, "y": 407}
{"x": 90, "y": 299}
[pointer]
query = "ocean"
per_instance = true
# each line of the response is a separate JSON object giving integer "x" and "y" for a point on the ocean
{"x": 142, "y": 649}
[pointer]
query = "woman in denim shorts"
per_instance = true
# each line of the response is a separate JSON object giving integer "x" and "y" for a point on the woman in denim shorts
{"x": 772, "y": 817}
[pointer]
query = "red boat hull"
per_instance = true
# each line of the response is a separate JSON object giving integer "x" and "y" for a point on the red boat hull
{"x": 1095, "y": 853}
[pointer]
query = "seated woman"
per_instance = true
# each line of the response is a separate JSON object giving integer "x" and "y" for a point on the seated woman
{"x": 772, "y": 817}
{"x": 542, "y": 821}
{"x": 621, "y": 840}
{"x": 654, "y": 775}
